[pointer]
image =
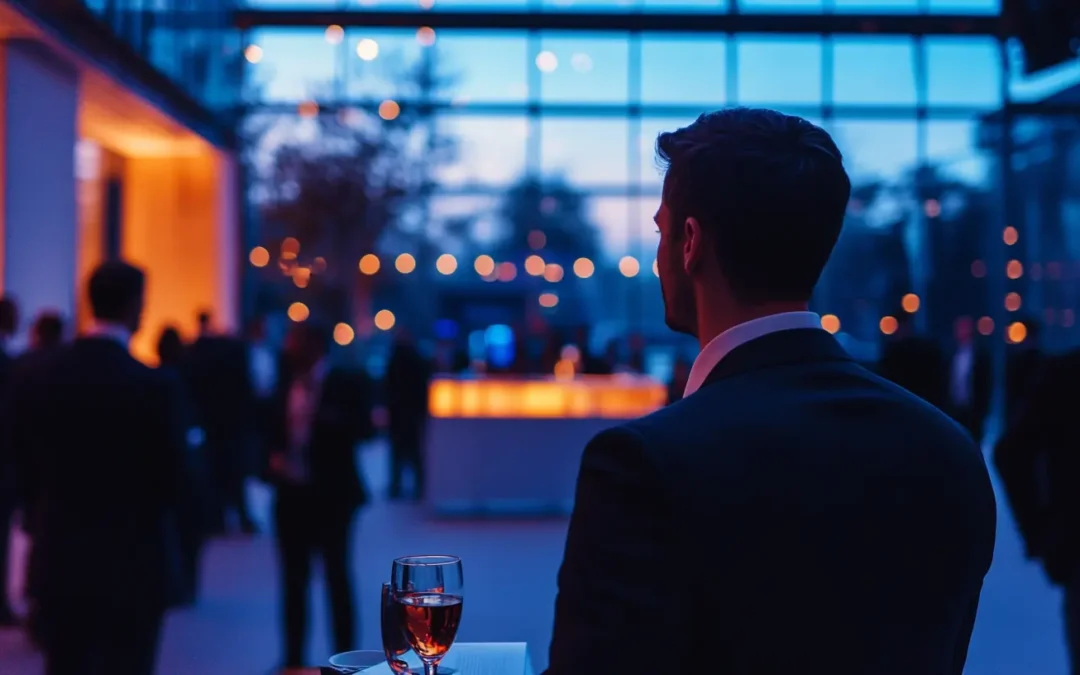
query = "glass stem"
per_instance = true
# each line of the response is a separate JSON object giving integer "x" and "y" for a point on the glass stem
{"x": 431, "y": 668}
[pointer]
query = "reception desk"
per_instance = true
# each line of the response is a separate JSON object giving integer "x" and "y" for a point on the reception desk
{"x": 512, "y": 446}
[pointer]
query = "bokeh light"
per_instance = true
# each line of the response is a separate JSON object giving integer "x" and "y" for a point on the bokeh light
{"x": 384, "y": 319}
{"x": 298, "y": 311}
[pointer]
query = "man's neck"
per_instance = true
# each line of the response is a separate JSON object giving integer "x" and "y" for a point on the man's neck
{"x": 111, "y": 330}
{"x": 712, "y": 323}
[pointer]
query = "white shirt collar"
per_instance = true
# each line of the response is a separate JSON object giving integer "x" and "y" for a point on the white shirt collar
{"x": 736, "y": 336}
{"x": 111, "y": 331}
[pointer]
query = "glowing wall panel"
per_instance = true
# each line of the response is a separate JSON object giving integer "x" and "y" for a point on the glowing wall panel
{"x": 39, "y": 93}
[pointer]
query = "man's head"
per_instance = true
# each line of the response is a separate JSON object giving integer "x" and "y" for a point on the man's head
{"x": 116, "y": 294}
{"x": 204, "y": 318}
{"x": 9, "y": 317}
{"x": 753, "y": 203}
{"x": 48, "y": 331}
{"x": 307, "y": 343}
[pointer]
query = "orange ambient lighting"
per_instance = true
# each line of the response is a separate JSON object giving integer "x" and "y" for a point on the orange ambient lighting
{"x": 603, "y": 397}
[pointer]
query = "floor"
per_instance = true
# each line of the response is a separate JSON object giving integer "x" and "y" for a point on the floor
{"x": 510, "y": 583}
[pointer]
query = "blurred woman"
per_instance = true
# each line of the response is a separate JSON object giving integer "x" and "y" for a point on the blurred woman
{"x": 192, "y": 519}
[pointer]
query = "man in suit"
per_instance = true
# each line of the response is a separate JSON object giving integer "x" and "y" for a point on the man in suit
{"x": 107, "y": 450}
{"x": 969, "y": 373}
{"x": 224, "y": 400}
{"x": 1037, "y": 460}
{"x": 10, "y": 481}
{"x": 915, "y": 363}
{"x": 408, "y": 376}
{"x": 793, "y": 513}
{"x": 322, "y": 414}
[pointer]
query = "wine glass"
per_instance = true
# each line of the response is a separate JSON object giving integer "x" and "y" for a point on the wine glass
{"x": 395, "y": 644}
{"x": 427, "y": 592}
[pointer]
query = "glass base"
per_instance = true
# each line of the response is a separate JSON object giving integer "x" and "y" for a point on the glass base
{"x": 443, "y": 670}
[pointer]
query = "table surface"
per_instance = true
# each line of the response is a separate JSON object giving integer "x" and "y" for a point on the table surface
{"x": 480, "y": 658}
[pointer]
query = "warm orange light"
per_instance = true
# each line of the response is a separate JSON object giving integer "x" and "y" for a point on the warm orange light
{"x": 888, "y": 325}
{"x": 290, "y": 248}
{"x": 253, "y": 53}
{"x": 405, "y": 263}
{"x": 537, "y": 240}
{"x": 369, "y": 264}
{"x": 446, "y": 264}
{"x": 301, "y": 276}
{"x": 308, "y": 109}
{"x": 506, "y": 271}
{"x": 343, "y": 334}
{"x": 655, "y": 268}
{"x": 1017, "y": 332}
{"x": 1014, "y": 269}
{"x": 564, "y": 369}
{"x": 1012, "y": 301}
{"x": 831, "y": 323}
{"x": 484, "y": 265}
{"x": 985, "y": 325}
{"x": 425, "y": 36}
{"x": 259, "y": 256}
{"x": 910, "y": 303}
{"x": 389, "y": 110}
{"x": 534, "y": 265}
{"x": 629, "y": 266}
{"x": 298, "y": 311}
{"x": 1011, "y": 236}
{"x": 548, "y": 299}
{"x": 334, "y": 34}
{"x": 385, "y": 319}
{"x": 584, "y": 268}
{"x": 599, "y": 397}
{"x": 553, "y": 273}
{"x": 318, "y": 265}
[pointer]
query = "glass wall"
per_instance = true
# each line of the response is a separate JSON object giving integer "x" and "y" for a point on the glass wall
{"x": 550, "y": 141}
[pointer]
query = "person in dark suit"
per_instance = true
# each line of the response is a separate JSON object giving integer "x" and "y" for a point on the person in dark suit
{"x": 915, "y": 363}
{"x": 1040, "y": 469}
{"x": 221, "y": 389}
{"x": 794, "y": 512}
{"x": 969, "y": 379}
{"x": 322, "y": 414}
{"x": 408, "y": 376}
{"x": 1023, "y": 368}
{"x": 10, "y": 480}
{"x": 107, "y": 448}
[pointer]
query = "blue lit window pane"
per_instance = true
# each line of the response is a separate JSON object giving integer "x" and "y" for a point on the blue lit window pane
{"x": 583, "y": 69}
{"x": 963, "y": 71}
{"x": 490, "y": 151}
{"x": 874, "y": 71}
{"x": 390, "y": 74}
{"x": 776, "y": 70}
{"x": 877, "y": 6}
{"x": 806, "y": 6}
{"x": 465, "y": 59}
{"x": 585, "y": 151}
{"x": 650, "y": 174}
{"x": 296, "y": 64}
{"x": 684, "y": 70}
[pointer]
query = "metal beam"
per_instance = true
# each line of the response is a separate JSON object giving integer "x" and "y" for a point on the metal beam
{"x": 666, "y": 22}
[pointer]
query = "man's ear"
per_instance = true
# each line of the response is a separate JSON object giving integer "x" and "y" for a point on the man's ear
{"x": 693, "y": 244}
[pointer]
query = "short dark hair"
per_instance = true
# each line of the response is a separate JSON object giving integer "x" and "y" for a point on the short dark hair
{"x": 771, "y": 190}
{"x": 115, "y": 288}
{"x": 9, "y": 315}
{"x": 49, "y": 329}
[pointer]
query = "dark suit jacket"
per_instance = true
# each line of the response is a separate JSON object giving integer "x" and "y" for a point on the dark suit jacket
{"x": 107, "y": 452}
{"x": 10, "y": 481}
{"x": 1037, "y": 460}
{"x": 797, "y": 514}
{"x": 341, "y": 421}
{"x": 918, "y": 365}
{"x": 26, "y": 370}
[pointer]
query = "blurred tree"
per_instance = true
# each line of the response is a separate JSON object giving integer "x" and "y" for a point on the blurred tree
{"x": 548, "y": 218}
{"x": 342, "y": 181}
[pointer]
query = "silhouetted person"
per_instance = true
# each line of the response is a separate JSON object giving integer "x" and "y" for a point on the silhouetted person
{"x": 408, "y": 376}
{"x": 915, "y": 363}
{"x": 221, "y": 389}
{"x": 322, "y": 414}
{"x": 194, "y": 519}
{"x": 969, "y": 373}
{"x": 264, "y": 364}
{"x": 9, "y": 478}
{"x": 853, "y": 522}
{"x": 1039, "y": 466}
{"x": 1023, "y": 365}
{"x": 108, "y": 449}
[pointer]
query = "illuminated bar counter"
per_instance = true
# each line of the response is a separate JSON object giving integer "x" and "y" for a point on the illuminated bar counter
{"x": 512, "y": 446}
